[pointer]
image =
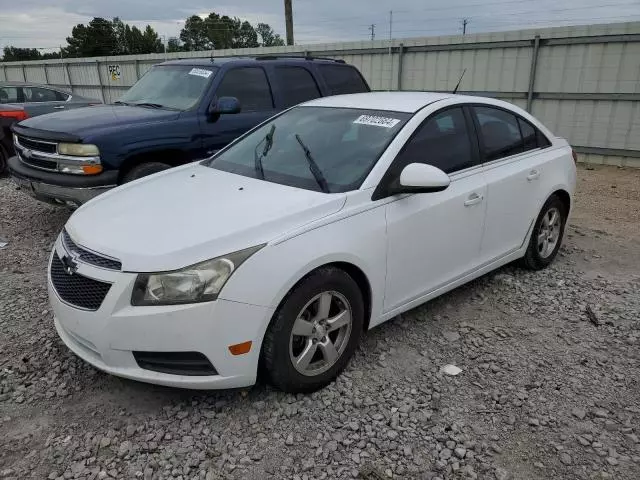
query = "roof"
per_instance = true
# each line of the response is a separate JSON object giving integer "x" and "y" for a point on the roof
{"x": 11, "y": 83}
{"x": 212, "y": 61}
{"x": 409, "y": 102}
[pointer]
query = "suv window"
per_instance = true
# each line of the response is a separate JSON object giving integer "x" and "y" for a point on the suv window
{"x": 250, "y": 86}
{"x": 37, "y": 95}
{"x": 8, "y": 95}
{"x": 442, "y": 141}
{"x": 297, "y": 84}
{"x": 342, "y": 79}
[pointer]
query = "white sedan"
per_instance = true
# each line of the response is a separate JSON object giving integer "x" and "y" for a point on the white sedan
{"x": 319, "y": 224}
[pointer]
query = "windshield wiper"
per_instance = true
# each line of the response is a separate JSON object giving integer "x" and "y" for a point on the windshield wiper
{"x": 257, "y": 159}
{"x": 146, "y": 104}
{"x": 119, "y": 102}
{"x": 313, "y": 166}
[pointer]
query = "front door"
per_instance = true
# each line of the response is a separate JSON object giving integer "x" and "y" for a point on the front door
{"x": 251, "y": 87}
{"x": 434, "y": 238}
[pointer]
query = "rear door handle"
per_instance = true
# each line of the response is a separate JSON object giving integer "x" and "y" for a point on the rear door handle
{"x": 473, "y": 199}
{"x": 59, "y": 108}
{"x": 533, "y": 175}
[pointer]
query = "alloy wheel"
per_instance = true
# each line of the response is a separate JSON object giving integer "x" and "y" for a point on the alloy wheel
{"x": 549, "y": 232}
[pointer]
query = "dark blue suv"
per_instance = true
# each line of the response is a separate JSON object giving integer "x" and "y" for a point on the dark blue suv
{"x": 179, "y": 111}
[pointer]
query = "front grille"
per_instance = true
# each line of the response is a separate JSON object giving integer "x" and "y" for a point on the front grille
{"x": 76, "y": 289}
{"x": 37, "y": 145}
{"x": 40, "y": 163}
{"x": 89, "y": 257}
{"x": 175, "y": 363}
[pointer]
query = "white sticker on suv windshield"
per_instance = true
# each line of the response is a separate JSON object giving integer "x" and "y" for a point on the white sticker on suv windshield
{"x": 201, "y": 72}
{"x": 376, "y": 121}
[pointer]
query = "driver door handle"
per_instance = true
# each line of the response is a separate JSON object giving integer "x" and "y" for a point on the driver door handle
{"x": 533, "y": 175}
{"x": 473, "y": 199}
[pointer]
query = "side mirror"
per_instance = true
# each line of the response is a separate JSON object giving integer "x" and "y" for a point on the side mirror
{"x": 225, "y": 105}
{"x": 421, "y": 178}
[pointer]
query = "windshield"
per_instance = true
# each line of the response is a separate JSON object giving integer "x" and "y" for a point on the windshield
{"x": 171, "y": 86}
{"x": 316, "y": 148}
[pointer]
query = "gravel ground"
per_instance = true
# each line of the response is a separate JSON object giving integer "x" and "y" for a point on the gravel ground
{"x": 549, "y": 387}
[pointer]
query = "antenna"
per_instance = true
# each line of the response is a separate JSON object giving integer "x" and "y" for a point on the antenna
{"x": 456, "y": 89}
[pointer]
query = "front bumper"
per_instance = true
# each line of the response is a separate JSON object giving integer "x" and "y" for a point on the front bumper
{"x": 60, "y": 188}
{"x": 108, "y": 336}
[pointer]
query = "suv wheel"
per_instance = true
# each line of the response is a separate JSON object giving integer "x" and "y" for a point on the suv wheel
{"x": 315, "y": 331}
{"x": 547, "y": 234}
{"x": 143, "y": 170}
{"x": 3, "y": 160}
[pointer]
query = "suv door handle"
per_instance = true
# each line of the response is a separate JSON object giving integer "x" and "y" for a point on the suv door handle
{"x": 473, "y": 199}
{"x": 533, "y": 175}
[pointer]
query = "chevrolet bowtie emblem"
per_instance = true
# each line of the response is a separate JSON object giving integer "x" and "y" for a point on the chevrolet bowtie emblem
{"x": 70, "y": 266}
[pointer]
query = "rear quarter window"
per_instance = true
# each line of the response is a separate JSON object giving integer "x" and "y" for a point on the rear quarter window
{"x": 342, "y": 79}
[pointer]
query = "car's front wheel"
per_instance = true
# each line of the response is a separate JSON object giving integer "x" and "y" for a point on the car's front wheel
{"x": 3, "y": 160}
{"x": 314, "y": 332}
{"x": 547, "y": 234}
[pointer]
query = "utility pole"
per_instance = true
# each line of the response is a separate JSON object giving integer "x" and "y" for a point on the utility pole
{"x": 372, "y": 29}
{"x": 288, "y": 17}
{"x": 465, "y": 21}
{"x": 391, "y": 50}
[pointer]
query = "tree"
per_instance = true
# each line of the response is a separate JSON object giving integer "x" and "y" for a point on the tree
{"x": 268, "y": 36}
{"x": 16, "y": 54}
{"x": 97, "y": 39}
{"x": 173, "y": 45}
{"x": 194, "y": 34}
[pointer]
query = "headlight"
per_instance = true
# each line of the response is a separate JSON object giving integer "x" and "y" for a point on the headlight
{"x": 201, "y": 282}
{"x": 78, "y": 150}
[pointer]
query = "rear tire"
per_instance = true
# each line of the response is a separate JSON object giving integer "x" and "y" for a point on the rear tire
{"x": 3, "y": 160}
{"x": 143, "y": 170}
{"x": 315, "y": 331}
{"x": 546, "y": 237}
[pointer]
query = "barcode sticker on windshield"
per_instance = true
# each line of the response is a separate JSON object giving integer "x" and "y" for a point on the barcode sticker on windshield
{"x": 201, "y": 72}
{"x": 376, "y": 121}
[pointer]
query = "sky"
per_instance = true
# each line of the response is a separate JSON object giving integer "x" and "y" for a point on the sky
{"x": 44, "y": 24}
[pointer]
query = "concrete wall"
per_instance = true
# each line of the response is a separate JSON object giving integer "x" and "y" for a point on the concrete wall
{"x": 583, "y": 82}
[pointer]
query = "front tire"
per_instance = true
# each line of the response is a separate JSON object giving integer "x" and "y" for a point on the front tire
{"x": 3, "y": 160}
{"x": 314, "y": 332}
{"x": 547, "y": 235}
{"x": 143, "y": 170}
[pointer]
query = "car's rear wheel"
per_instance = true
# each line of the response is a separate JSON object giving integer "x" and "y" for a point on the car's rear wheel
{"x": 547, "y": 234}
{"x": 144, "y": 169}
{"x": 314, "y": 332}
{"x": 3, "y": 160}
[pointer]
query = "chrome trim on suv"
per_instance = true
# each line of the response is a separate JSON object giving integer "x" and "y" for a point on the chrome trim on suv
{"x": 25, "y": 153}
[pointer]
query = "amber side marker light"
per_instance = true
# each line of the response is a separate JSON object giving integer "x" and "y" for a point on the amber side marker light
{"x": 240, "y": 348}
{"x": 91, "y": 169}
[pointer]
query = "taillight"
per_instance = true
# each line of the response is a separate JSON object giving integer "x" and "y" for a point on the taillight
{"x": 575, "y": 156}
{"x": 17, "y": 114}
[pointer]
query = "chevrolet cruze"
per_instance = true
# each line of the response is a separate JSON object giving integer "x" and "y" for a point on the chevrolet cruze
{"x": 282, "y": 249}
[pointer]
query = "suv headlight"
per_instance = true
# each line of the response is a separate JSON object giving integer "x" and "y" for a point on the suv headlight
{"x": 78, "y": 150}
{"x": 201, "y": 282}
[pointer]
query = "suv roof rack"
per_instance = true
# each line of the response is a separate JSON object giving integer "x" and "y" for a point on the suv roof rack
{"x": 304, "y": 57}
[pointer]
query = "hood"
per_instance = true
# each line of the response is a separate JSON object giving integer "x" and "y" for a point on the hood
{"x": 190, "y": 214}
{"x": 83, "y": 121}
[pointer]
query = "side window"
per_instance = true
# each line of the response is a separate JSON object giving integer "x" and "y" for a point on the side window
{"x": 442, "y": 141}
{"x": 250, "y": 86}
{"x": 500, "y": 132}
{"x": 61, "y": 96}
{"x": 529, "y": 136}
{"x": 8, "y": 95}
{"x": 36, "y": 94}
{"x": 298, "y": 85}
{"x": 342, "y": 79}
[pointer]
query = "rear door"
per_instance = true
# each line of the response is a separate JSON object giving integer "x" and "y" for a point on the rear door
{"x": 513, "y": 164}
{"x": 39, "y": 100}
{"x": 293, "y": 84}
{"x": 251, "y": 86}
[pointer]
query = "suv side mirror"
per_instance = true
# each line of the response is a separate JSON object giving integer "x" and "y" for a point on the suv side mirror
{"x": 421, "y": 178}
{"x": 225, "y": 105}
